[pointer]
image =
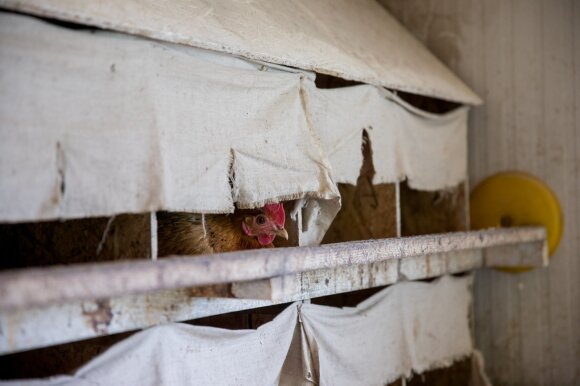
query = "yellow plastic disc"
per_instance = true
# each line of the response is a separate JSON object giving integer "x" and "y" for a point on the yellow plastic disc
{"x": 517, "y": 199}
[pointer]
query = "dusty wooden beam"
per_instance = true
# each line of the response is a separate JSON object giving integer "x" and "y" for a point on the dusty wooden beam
{"x": 508, "y": 256}
{"x": 38, "y": 327}
{"x": 331, "y": 281}
{"x": 341, "y": 279}
{"x": 50, "y": 324}
{"x": 36, "y": 287}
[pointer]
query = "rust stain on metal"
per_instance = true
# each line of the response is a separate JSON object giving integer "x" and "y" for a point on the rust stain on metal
{"x": 98, "y": 315}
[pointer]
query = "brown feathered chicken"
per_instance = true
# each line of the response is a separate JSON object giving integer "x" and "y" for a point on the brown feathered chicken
{"x": 187, "y": 234}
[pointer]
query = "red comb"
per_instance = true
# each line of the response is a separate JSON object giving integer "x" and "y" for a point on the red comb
{"x": 276, "y": 213}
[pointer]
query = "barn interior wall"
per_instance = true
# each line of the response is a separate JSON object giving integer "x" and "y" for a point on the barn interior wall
{"x": 523, "y": 59}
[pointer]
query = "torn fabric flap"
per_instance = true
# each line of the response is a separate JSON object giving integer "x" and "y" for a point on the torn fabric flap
{"x": 400, "y": 330}
{"x": 181, "y": 354}
{"x": 429, "y": 150}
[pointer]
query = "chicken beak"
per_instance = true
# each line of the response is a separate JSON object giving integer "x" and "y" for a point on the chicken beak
{"x": 282, "y": 233}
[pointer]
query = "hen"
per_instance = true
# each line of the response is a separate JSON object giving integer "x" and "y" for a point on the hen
{"x": 182, "y": 233}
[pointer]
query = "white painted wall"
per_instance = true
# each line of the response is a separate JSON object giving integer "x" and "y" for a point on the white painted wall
{"x": 523, "y": 58}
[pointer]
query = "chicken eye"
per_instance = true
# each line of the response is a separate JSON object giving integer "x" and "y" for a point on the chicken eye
{"x": 261, "y": 220}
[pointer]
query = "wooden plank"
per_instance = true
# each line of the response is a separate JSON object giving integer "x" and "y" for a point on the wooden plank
{"x": 506, "y": 255}
{"x": 322, "y": 282}
{"x": 47, "y": 326}
{"x": 35, "y": 327}
{"x": 50, "y": 324}
{"x": 98, "y": 315}
{"x": 153, "y": 234}
{"x": 30, "y": 287}
{"x": 398, "y": 203}
{"x": 169, "y": 245}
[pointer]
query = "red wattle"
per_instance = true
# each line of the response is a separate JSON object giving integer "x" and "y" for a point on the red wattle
{"x": 264, "y": 239}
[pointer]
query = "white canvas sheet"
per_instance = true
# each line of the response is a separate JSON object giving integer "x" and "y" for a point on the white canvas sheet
{"x": 407, "y": 327}
{"x": 95, "y": 124}
{"x": 98, "y": 124}
{"x": 356, "y": 40}
{"x": 429, "y": 150}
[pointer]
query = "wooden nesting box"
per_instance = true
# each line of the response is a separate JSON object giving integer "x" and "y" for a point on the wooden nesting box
{"x": 125, "y": 236}
{"x": 368, "y": 211}
{"x": 440, "y": 211}
{"x": 160, "y": 125}
{"x": 167, "y": 247}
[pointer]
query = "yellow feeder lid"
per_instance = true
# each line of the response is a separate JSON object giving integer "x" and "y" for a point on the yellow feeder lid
{"x": 517, "y": 199}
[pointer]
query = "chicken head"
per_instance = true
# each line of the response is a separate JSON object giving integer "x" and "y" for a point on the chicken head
{"x": 266, "y": 225}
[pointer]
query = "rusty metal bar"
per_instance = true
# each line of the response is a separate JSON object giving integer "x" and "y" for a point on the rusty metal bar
{"x": 43, "y": 286}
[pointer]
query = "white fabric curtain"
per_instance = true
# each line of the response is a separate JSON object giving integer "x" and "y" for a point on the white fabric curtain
{"x": 401, "y": 329}
{"x": 429, "y": 150}
{"x": 95, "y": 124}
